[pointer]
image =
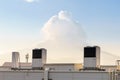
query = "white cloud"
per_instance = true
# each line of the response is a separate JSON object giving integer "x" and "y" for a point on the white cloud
{"x": 63, "y": 38}
{"x": 62, "y": 26}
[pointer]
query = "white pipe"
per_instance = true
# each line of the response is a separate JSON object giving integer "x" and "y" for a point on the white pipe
{"x": 46, "y": 74}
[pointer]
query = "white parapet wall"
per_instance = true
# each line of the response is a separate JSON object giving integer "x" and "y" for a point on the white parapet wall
{"x": 53, "y": 75}
{"x": 79, "y": 75}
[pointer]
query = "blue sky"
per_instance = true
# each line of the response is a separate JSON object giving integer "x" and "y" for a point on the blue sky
{"x": 99, "y": 17}
{"x": 21, "y": 20}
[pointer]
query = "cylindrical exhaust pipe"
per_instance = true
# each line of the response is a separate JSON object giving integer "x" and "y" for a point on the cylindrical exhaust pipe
{"x": 15, "y": 60}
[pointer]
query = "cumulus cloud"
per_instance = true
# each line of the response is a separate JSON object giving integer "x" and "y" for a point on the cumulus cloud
{"x": 63, "y": 27}
{"x": 63, "y": 37}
